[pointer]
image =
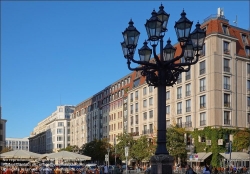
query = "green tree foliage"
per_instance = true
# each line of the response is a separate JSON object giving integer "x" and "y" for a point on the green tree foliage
{"x": 96, "y": 149}
{"x": 141, "y": 149}
{"x": 175, "y": 142}
{"x": 70, "y": 148}
{"x": 124, "y": 140}
{"x": 241, "y": 140}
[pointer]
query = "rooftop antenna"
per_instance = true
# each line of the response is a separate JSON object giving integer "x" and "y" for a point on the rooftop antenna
{"x": 236, "y": 21}
{"x": 60, "y": 100}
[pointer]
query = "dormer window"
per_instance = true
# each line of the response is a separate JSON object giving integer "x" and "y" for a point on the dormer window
{"x": 226, "y": 47}
{"x": 244, "y": 39}
{"x": 224, "y": 29}
{"x": 247, "y": 48}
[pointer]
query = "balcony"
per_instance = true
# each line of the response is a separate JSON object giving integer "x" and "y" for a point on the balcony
{"x": 227, "y": 104}
{"x": 179, "y": 111}
{"x": 227, "y": 86}
{"x": 226, "y": 69}
{"x": 131, "y": 100}
{"x": 188, "y": 109}
{"x": 202, "y": 122}
{"x": 179, "y": 124}
{"x": 147, "y": 131}
{"x": 188, "y": 93}
{"x": 136, "y": 109}
{"x": 136, "y": 98}
{"x": 135, "y": 133}
{"x": 178, "y": 96}
{"x": 136, "y": 122}
{"x": 227, "y": 121}
{"x": 179, "y": 80}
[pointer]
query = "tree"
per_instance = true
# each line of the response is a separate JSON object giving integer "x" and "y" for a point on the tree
{"x": 141, "y": 149}
{"x": 175, "y": 142}
{"x": 241, "y": 140}
{"x": 124, "y": 140}
{"x": 70, "y": 148}
{"x": 96, "y": 149}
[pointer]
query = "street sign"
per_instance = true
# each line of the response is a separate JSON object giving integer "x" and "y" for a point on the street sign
{"x": 126, "y": 151}
{"x": 106, "y": 156}
{"x": 107, "y": 159}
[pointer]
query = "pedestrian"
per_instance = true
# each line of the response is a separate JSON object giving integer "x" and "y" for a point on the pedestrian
{"x": 189, "y": 169}
{"x": 206, "y": 170}
{"x": 97, "y": 171}
{"x": 106, "y": 169}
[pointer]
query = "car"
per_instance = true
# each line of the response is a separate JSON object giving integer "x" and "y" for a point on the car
{"x": 91, "y": 167}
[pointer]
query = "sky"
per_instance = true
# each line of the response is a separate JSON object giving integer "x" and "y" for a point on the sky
{"x": 63, "y": 52}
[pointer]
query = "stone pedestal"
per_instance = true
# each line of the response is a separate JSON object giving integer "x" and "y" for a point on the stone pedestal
{"x": 161, "y": 164}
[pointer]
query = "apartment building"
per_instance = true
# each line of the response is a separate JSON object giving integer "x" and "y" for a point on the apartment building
{"x": 2, "y": 131}
{"x": 215, "y": 92}
{"x": 17, "y": 143}
{"x": 52, "y": 133}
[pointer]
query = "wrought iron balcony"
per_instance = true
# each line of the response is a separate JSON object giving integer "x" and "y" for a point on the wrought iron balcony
{"x": 202, "y": 122}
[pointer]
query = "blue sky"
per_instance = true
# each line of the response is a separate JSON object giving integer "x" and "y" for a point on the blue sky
{"x": 63, "y": 52}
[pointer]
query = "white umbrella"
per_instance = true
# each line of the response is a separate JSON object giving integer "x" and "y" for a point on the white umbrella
{"x": 67, "y": 155}
{"x": 20, "y": 154}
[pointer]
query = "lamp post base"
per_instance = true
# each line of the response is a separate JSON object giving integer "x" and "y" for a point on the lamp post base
{"x": 161, "y": 164}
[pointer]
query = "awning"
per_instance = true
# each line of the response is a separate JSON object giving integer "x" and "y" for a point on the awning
{"x": 199, "y": 157}
{"x": 236, "y": 156}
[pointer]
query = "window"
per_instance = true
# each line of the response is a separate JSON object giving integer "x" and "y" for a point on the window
{"x": 145, "y": 115}
{"x": 203, "y": 51}
{"x": 136, "y": 95}
{"x": 151, "y": 101}
{"x": 59, "y": 131}
{"x": 227, "y": 82}
{"x": 188, "y": 121}
{"x": 179, "y": 93}
{"x": 151, "y": 88}
{"x": 227, "y": 117}
{"x": 179, "y": 79}
{"x": 60, "y": 124}
{"x": 202, "y": 119}
{"x": 136, "y": 119}
{"x": 144, "y": 103}
{"x": 188, "y": 105}
{"x": 131, "y": 120}
{"x": 248, "y": 69}
{"x": 144, "y": 90}
{"x": 59, "y": 146}
{"x": 179, "y": 122}
{"x": 168, "y": 123}
{"x": 136, "y": 107}
{"x": 188, "y": 75}
{"x": 179, "y": 107}
{"x": 226, "y": 65}
{"x": 168, "y": 95}
{"x": 226, "y": 47}
{"x": 202, "y": 101}
{"x": 227, "y": 100}
{"x": 131, "y": 97}
{"x": 188, "y": 89}
{"x": 202, "y": 67}
{"x": 248, "y": 118}
{"x": 225, "y": 29}
{"x": 59, "y": 138}
{"x": 202, "y": 84}
{"x": 150, "y": 128}
{"x": 248, "y": 101}
{"x": 145, "y": 129}
{"x": 168, "y": 109}
{"x": 247, "y": 48}
{"x": 151, "y": 114}
{"x": 244, "y": 39}
{"x": 131, "y": 109}
{"x": 60, "y": 109}
{"x": 136, "y": 83}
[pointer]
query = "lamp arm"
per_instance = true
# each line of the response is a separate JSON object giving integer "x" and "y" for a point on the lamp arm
{"x": 188, "y": 63}
{"x": 178, "y": 57}
{"x": 133, "y": 69}
{"x": 143, "y": 63}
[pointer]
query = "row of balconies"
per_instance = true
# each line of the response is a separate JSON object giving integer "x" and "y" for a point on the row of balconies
{"x": 185, "y": 124}
{"x": 147, "y": 131}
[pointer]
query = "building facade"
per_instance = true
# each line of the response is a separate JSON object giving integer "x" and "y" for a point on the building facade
{"x": 17, "y": 143}
{"x": 215, "y": 92}
{"x": 52, "y": 132}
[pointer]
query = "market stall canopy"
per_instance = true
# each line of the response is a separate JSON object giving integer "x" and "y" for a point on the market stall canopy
{"x": 66, "y": 155}
{"x": 236, "y": 156}
{"x": 20, "y": 154}
{"x": 199, "y": 157}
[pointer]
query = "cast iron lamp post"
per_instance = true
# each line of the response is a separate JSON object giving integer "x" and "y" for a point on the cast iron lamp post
{"x": 163, "y": 70}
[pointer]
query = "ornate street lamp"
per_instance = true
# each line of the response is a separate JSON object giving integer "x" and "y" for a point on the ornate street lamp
{"x": 163, "y": 70}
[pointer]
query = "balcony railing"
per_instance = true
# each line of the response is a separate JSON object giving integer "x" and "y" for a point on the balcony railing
{"x": 188, "y": 93}
{"x": 226, "y": 121}
{"x": 188, "y": 109}
{"x": 202, "y": 71}
{"x": 226, "y": 69}
{"x": 147, "y": 131}
{"x": 179, "y": 124}
{"x": 226, "y": 51}
{"x": 134, "y": 133}
{"x": 136, "y": 122}
{"x": 136, "y": 109}
{"x": 227, "y": 104}
{"x": 179, "y": 80}
{"x": 188, "y": 124}
{"x": 179, "y": 111}
{"x": 203, "y": 105}
{"x": 188, "y": 77}
{"x": 227, "y": 86}
{"x": 202, "y": 88}
{"x": 202, "y": 122}
{"x": 178, "y": 96}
